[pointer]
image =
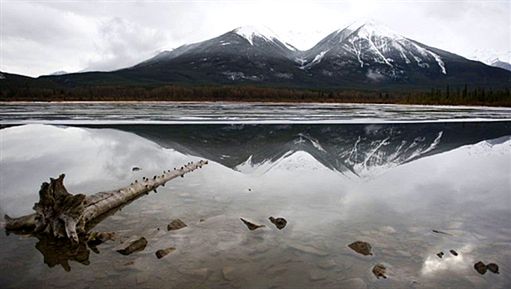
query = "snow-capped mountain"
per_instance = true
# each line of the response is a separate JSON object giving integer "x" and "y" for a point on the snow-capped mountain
{"x": 501, "y": 64}
{"x": 501, "y": 59}
{"x": 355, "y": 150}
{"x": 375, "y": 50}
{"x": 243, "y": 54}
{"x": 362, "y": 55}
{"x": 489, "y": 56}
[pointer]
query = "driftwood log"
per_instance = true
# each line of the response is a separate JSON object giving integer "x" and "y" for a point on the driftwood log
{"x": 63, "y": 215}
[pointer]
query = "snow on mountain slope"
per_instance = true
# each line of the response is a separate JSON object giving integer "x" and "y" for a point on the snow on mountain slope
{"x": 501, "y": 59}
{"x": 259, "y": 45}
{"x": 360, "y": 54}
{"x": 250, "y": 32}
{"x": 291, "y": 161}
{"x": 371, "y": 44}
{"x": 501, "y": 64}
{"x": 489, "y": 56}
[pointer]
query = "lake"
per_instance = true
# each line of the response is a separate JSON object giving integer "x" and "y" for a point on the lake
{"x": 412, "y": 181}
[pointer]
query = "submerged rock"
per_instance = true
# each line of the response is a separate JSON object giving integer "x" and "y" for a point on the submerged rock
{"x": 316, "y": 275}
{"x": 361, "y": 247}
{"x": 164, "y": 252}
{"x": 96, "y": 238}
{"x": 492, "y": 267}
{"x": 251, "y": 226}
{"x": 326, "y": 264}
{"x": 135, "y": 246}
{"x": 379, "y": 271}
{"x": 176, "y": 225}
{"x": 480, "y": 267}
{"x": 354, "y": 283}
{"x": 453, "y": 252}
{"x": 227, "y": 273}
{"x": 308, "y": 249}
{"x": 280, "y": 223}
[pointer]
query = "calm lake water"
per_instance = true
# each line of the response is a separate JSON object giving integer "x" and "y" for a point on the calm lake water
{"x": 387, "y": 175}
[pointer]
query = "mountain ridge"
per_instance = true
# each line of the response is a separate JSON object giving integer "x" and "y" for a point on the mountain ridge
{"x": 359, "y": 56}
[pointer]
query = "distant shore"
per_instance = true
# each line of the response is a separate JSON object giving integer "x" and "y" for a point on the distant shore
{"x": 464, "y": 95}
{"x": 290, "y": 103}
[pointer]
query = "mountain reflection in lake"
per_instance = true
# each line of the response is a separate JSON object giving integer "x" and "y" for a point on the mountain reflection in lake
{"x": 386, "y": 184}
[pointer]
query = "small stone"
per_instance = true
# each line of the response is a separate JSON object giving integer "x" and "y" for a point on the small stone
{"x": 276, "y": 270}
{"x": 142, "y": 278}
{"x": 135, "y": 246}
{"x": 361, "y": 247}
{"x": 251, "y": 226}
{"x": 388, "y": 229}
{"x": 201, "y": 274}
{"x": 227, "y": 273}
{"x": 308, "y": 249}
{"x": 453, "y": 252}
{"x": 480, "y": 267}
{"x": 477, "y": 281}
{"x": 280, "y": 223}
{"x": 354, "y": 283}
{"x": 176, "y": 225}
{"x": 379, "y": 271}
{"x": 316, "y": 275}
{"x": 164, "y": 252}
{"x": 96, "y": 238}
{"x": 492, "y": 267}
{"x": 327, "y": 264}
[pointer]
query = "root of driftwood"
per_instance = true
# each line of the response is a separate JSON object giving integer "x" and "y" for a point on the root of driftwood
{"x": 64, "y": 215}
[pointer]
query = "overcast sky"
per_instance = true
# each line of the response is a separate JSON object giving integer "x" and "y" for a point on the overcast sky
{"x": 41, "y": 37}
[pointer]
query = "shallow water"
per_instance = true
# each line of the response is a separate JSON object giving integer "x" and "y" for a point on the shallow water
{"x": 389, "y": 184}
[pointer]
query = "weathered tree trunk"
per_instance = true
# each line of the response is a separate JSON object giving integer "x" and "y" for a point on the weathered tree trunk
{"x": 64, "y": 215}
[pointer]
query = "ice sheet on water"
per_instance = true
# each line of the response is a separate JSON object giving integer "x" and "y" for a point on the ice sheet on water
{"x": 176, "y": 112}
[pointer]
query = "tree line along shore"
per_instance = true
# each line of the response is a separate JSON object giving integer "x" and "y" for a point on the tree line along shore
{"x": 464, "y": 95}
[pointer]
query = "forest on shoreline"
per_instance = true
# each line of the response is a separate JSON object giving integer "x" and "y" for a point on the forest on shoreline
{"x": 437, "y": 96}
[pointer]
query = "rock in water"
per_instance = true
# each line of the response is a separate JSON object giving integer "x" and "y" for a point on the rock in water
{"x": 440, "y": 255}
{"x": 176, "y": 225}
{"x": 228, "y": 273}
{"x": 308, "y": 249}
{"x": 361, "y": 247}
{"x": 379, "y": 271}
{"x": 480, "y": 267}
{"x": 96, "y": 238}
{"x": 354, "y": 283}
{"x": 454, "y": 252}
{"x": 135, "y": 246}
{"x": 251, "y": 226}
{"x": 280, "y": 223}
{"x": 164, "y": 252}
{"x": 135, "y": 169}
{"x": 492, "y": 267}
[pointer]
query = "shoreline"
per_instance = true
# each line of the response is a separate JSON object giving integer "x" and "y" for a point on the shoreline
{"x": 229, "y": 102}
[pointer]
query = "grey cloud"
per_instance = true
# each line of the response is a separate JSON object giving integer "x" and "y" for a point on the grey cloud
{"x": 122, "y": 43}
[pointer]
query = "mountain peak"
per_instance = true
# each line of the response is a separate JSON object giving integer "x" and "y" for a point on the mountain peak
{"x": 371, "y": 27}
{"x": 249, "y": 32}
